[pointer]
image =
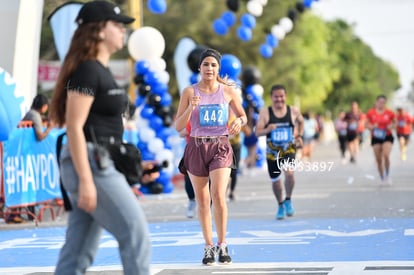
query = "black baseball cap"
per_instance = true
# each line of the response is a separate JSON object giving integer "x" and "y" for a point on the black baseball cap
{"x": 100, "y": 10}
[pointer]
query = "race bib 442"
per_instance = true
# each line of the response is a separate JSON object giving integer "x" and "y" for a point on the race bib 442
{"x": 214, "y": 115}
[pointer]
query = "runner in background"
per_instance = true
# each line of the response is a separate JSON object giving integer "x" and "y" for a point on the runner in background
{"x": 362, "y": 121}
{"x": 189, "y": 190}
{"x": 235, "y": 141}
{"x": 319, "y": 135}
{"x": 310, "y": 134}
{"x": 381, "y": 121}
{"x": 283, "y": 126}
{"x": 404, "y": 128}
{"x": 250, "y": 141}
{"x": 353, "y": 122}
{"x": 341, "y": 131}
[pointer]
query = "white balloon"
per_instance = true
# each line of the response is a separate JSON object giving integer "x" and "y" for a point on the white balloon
{"x": 278, "y": 32}
{"x": 157, "y": 64}
{"x": 255, "y": 8}
{"x": 141, "y": 122}
{"x": 169, "y": 170}
{"x": 146, "y": 43}
{"x": 286, "y": 23}
{"x": 164, "y": 77}
{"x": 146, "y": 134}
{"x": 155, "y": 145}
{"x": 165, "y": 155}
{"x": 258, "y": 89}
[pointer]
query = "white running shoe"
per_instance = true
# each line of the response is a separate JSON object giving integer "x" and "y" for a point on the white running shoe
{"x": 387, "y": 180}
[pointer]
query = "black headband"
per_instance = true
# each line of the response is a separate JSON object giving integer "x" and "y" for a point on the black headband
{"x": 212, "y": 53}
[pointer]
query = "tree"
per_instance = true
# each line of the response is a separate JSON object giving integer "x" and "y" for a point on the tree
{"x": 363, "y": 75}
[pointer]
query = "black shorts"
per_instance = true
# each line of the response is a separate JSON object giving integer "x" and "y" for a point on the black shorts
{"x": 388, "y": 138}
{"x": 351, "y": 136}
{"x": 406, "y": 137}
{"x": 275, "y": 165}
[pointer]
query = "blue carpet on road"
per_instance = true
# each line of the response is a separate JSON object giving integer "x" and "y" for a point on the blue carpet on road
{"x": 267, "y": 241}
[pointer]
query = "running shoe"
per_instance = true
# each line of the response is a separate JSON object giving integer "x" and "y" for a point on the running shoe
{"x": 280, "y": 215}
{"x": 404, "y": 154}
{"x": 387, "y": 180}
{"x": 223, "y": 254}
{"x": 209, "y": 257}
{"x": 191, "y": 209}
{"x": 289, "y": 208}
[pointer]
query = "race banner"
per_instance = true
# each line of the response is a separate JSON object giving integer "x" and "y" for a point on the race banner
{"x": 30, "y": 168}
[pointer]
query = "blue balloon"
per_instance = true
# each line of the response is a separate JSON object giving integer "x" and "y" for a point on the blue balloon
{"x": 157, "y": 6}
{"x": 142, "y": 67}
{"x": 166, "y": 99}
{"x": 229, "y": 18}
{"x": 250, "y": 90}
{"x": 248, "y": 20}
{"x": 272, "y": 40}
{"x": 307, "y": 3}
{"x": 159, "y": 88}
{"x": 230, "y": 66}
{"x": 164, "y": 178}
{"x": 147, "y": 155}
{"x": 244, "y": 33}
{"x": 266, "y": 50}
{"x": 260, "y": 103}
{"x": 156, "y": 123}
{"x": 147, "y": 112}
{"x": 144, "y": 189}
{"x": 168, "y": 188}
{"x": 220, "y": 26}
{"x": 142, "y": 146}
{"x": 151, "y": 78}
{"x": 165, "y": 133}
{"x": 260, "y": 159}
{"x": 194, "y": 78}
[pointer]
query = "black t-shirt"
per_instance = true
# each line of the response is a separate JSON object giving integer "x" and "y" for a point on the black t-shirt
{"x": 110, "y": 101}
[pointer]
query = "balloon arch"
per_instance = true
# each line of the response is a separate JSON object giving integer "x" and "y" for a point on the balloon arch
{"x": 157, "y": 140}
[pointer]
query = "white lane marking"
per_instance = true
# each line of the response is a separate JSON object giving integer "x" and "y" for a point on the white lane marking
{"x": 409, "y": 232}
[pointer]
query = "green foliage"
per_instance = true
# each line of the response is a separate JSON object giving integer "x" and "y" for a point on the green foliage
{"x": 363, "y": 76}
{"x": 323, "y": 64}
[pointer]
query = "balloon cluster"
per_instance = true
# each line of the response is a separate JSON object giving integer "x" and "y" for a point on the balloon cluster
{"x": 253, "y": 90}
{"x": 247, "y": 20}
{"x": 10, "y": 105}
{"x": 222, "y": 24}
{"x": 157, "y": 6}
{"x": 146, "y": 46}
{"x": 248, "y": 23}
{"x": 253, "y": 102}
{"x": 282, "y": 28}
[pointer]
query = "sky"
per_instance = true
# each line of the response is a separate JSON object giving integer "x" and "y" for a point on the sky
{"x": 385, "y": 25}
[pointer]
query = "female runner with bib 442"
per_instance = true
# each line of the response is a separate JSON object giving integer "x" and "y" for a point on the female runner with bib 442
{"x": 208, "y": 153}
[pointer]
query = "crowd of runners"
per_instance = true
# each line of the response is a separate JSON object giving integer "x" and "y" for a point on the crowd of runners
{"x": 382, "y": 126}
